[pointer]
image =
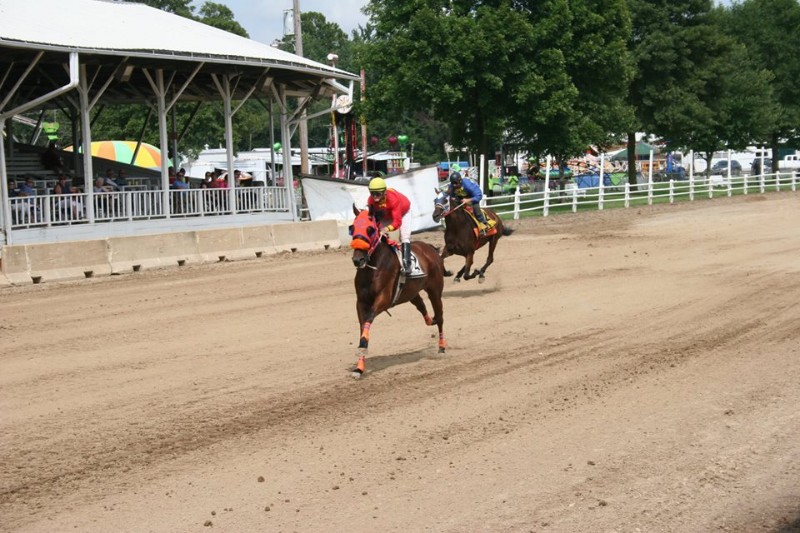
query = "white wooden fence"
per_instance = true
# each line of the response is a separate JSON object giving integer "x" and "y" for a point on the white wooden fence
{"x": 694, "y": 187}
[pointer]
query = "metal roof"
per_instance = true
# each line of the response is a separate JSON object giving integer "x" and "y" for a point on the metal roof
{"x": 112, "y": 35}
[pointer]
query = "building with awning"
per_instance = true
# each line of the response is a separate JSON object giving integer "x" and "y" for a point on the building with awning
{"x": 78, "y": 55}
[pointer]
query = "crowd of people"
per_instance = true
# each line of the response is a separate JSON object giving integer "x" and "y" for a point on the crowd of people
{"x": 70, "y": 204}
{"x": 211, "y": 180}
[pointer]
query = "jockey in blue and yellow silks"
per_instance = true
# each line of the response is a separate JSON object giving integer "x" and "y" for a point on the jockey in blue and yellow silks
{"x": 468, "y": 192}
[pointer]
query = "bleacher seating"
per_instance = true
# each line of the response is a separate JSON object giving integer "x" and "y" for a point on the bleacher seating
{"x": 26, "y": 160}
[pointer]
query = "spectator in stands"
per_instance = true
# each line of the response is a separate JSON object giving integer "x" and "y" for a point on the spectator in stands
{"x": 180, "y": 182}
{"x": 179, "y": 198}
{"x": 21, "y": 209}
{"x": 208, "y": 181}
{"x": 222, "y": 181}
{"x": 100, "y": 185}
{"x": 102, "y": 203}
{"x": 172, "y": 176}
{"x": 51, "y": 159}
{"x": 109, "y": 181}
{"x": 27, "y": 188}
{"x": 122, "y": 178}
{"x": 71, "y": 208}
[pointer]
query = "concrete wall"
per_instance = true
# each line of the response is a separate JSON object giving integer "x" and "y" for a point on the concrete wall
{"x": 38, "y": 263}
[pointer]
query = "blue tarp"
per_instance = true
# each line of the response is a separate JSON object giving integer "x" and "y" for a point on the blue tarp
{"x": 585, "y": 181}
{"x": 444, "y": 165}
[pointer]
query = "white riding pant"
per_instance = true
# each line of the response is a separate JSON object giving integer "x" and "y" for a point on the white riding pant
{"x": 405, "y": 228}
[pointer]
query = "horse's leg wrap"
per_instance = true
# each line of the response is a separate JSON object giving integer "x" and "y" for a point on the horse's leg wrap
{"x": 363, "y": 342}
{"x": 442, "y": 342}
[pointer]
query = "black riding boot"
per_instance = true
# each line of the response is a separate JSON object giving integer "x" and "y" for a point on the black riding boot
{"x": 406, "y": 248}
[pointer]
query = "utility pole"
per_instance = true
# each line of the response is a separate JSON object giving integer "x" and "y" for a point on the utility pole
{"x": 298, "y": 48}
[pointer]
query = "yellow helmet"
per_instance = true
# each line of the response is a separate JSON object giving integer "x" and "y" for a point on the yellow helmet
{"x": 377, "y": 185}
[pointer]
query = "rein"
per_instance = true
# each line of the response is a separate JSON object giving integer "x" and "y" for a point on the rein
{"x": 451, "y": 211}
{"x": 372, "y": 248}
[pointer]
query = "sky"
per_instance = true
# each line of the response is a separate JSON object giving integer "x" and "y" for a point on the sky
{"x": 263, "y": 19}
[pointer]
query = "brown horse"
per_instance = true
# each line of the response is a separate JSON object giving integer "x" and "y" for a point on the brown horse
{"x": 461, "y": 236}
{"x": 379, "y": 284}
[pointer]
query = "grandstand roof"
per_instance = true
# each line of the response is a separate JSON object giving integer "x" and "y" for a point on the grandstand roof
{"x": 114, "y": 36}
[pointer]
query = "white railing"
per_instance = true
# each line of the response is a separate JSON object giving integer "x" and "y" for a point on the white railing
{"x": 109, "y": 207}
{"x": 624, "y": 195}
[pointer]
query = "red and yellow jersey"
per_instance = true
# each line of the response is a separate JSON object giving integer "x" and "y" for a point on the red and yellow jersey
{"x": 391, "y": 209}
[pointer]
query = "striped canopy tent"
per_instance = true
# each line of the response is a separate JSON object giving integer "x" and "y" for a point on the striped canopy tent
{"x": 148, "y": 155}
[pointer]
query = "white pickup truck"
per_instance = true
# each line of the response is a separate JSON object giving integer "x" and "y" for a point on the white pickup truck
{"x": 789, "y": 162}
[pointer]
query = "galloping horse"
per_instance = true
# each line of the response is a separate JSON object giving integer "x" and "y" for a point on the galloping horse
{"x": 461, "y": 236}
{"x": 380, "y": 285}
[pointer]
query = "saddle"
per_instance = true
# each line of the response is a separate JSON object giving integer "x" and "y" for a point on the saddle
{"x": 490, "y": 223}
{"x": 416, "y": 268}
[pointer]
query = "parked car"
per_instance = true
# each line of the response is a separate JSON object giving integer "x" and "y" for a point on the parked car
{"x": 721, "y": 167}
{"x": 755, "y": 166}
{"x": 677, "y": 173}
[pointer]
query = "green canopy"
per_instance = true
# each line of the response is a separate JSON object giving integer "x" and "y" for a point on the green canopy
{"x": 642, "y": 152}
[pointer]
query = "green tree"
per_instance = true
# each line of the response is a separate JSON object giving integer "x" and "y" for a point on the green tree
{"x": 773, "y": 43}
{"x": 738, "y": 103}
{"x": 459, "y": 64}
{"x": 694, "y": 86}
{"x": 672, "y": 45}
{"x": 584, "y": 68}
{"x": 220, "y": 16}
{"x": 183, "y": 8}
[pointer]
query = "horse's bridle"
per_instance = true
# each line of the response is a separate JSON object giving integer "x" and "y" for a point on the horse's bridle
{"x": 373, "y": 245}
{"x": 448, "y": 212}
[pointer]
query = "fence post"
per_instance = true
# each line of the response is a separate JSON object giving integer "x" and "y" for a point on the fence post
{"x": 691, "y": 188}
{"x": 650, "y": 181}
{"x": 516, "y": 203}
{"x": 672, "y": 191}
{"x": 761, "y": 182}
{"x": 48, "y": 214}
{"x": 129, "y": 204}
{"x": 778, "y": 181}
{"x": 627, "y": 195}
{"x": 794, "y": 181}
{"x": 745, "y": 184}
{"x": 710, "y": 186}
{"x": 547, "y": 167}
{"x": 601, "y": 183}
{"x": 575, "y": 199}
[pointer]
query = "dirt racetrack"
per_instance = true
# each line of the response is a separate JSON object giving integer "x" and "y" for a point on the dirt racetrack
{"x": 624, "y": 370}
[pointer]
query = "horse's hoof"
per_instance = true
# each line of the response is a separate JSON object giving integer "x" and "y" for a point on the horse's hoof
{"x": 355, "y": 374}
{"x": 441, "y": 350}
{"x": 456, "y": 280}
{"x": 481, "y": 279}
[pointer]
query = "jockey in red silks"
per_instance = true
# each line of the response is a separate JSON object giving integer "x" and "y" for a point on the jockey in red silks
{"x": 392, "y": 209}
